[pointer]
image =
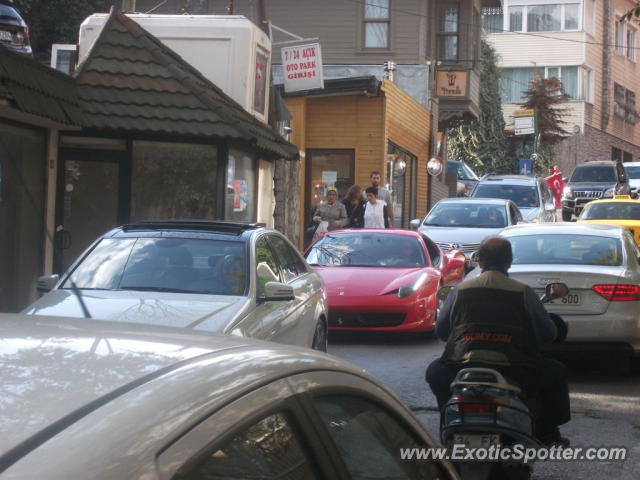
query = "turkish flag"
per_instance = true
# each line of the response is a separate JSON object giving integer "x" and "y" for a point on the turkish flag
{"x": 557, "y": 186}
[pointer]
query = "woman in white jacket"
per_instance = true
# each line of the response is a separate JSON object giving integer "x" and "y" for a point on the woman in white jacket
{"x": 375, "y": 211}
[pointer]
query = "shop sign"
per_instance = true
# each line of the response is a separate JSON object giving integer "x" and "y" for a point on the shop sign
{"x": 451, "y": 84}
{"x": 302, "y": 67}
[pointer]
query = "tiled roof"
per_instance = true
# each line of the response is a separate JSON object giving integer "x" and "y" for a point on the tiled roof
{"x": 33, "y": 88}
{"x": 133, "y": 83}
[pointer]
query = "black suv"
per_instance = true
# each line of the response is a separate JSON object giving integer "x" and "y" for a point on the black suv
{"x": 591, "y": 181}
{"x": 14, "y": 32}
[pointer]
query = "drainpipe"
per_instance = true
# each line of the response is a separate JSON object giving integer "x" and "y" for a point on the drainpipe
{"x": 606, "y": 64}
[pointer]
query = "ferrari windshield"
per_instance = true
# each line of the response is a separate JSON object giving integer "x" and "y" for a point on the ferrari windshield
{"x": 180, "y": 265}
{"x": 612, "y": 211}
{"x": 467, "y": 214}
{"x": 566, "y": 250}
{"x": 368, "y": 250}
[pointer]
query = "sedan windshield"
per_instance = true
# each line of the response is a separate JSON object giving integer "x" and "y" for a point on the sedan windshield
{"x": 612, "y": 211}
{"x": 164, "y": 265}
{"x": 633, "y": 172}
{"x": 467, "y": 214}
{"x": 594, "y": 173}
{"x": 566, "y": 250}
{"x": 368, "y": 250}
{"x": 524, "y": 196}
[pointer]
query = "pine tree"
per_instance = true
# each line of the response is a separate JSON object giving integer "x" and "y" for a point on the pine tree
{"x": 482, "y": 142}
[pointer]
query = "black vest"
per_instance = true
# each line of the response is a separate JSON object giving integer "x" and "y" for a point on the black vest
{"x": 493, "y": 321}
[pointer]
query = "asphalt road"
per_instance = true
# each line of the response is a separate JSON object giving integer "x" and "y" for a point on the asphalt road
{"x": 604, "y": 401}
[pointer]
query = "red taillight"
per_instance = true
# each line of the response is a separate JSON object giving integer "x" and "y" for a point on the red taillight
{"x": 474, "y": 404}
{"x": 618, "y": 293}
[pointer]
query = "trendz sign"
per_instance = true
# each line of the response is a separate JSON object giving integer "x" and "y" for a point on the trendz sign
{"x": 302, "y": 67}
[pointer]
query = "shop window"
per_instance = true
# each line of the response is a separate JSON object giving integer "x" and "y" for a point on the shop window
{"x": 240, "y": 198}
{"x": 400, "y": 164}
{"x": 448, "y": 34}
{"x": 173, "y": 180}
{"x": 377, "y": 22}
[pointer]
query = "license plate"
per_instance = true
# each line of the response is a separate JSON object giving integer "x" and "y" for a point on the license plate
{"x": 5, "y": 36}
{"x": 571, "y": 299}
{"x": 476, "y": 441}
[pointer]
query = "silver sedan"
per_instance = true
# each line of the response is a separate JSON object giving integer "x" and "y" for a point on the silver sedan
{"x": 599, "y": 264}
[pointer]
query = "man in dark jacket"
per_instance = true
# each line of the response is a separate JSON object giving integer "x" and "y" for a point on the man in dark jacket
{"x": 495, "y": 321}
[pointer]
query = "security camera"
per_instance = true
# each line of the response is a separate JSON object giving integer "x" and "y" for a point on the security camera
{"x": 286, "y": 129}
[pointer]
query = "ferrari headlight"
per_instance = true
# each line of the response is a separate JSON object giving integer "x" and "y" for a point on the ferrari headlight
{"x": 408, "y": 290}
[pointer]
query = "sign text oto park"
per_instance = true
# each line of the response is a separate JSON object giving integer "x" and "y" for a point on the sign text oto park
{"x": 302, "y": 67}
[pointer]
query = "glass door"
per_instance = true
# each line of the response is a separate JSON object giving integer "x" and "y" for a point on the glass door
{"x": 327, "y": 168}
{"x": 89, "y": 205}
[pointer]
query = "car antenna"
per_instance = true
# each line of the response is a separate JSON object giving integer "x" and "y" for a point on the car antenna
{"x": 74, "y": 287}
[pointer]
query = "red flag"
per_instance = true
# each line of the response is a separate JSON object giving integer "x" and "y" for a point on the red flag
{"x": 557, "y": 186}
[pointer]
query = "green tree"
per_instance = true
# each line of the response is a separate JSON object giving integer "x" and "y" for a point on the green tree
{"x": 633, "y": 12}
{"x": 57, "y": 21}
{"x": 483, "y": 142}
{"x": 544, "y": 95}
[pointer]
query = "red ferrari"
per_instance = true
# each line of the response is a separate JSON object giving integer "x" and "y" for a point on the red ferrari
{"x": 383, "y": 279}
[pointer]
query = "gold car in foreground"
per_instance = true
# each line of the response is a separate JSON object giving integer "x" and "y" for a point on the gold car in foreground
{"x": 620, "y": 210}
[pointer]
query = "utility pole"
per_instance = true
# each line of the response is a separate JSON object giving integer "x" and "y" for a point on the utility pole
{"x": 230, "y": 7}
{"x": 262, "y": 17}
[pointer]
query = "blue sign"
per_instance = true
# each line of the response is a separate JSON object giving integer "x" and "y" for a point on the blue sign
{"x": 525, "y": 166}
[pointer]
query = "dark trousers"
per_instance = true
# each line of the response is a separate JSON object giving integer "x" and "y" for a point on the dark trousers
{"x": 546, "y": 382}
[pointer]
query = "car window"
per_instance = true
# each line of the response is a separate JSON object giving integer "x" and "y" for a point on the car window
{"x": 566, "y": 250}
{"x": 368, "y": 250}
{"x": 8, "y": 12}
{"x": 291, "y": 264}
{"x": 633, "y": 172}
{"x": 268, "y": 449}
{"x": 515, "y": 214}
{"x": 594, "y": 173}
{"x": 267, "y": 269}
{"x": 633, "y": 251}
{"x": 612, "y": 211}
{"x": 467, "y": 214}
{"x": 369, "y": 440}
{"x": 547, "y": 197}
{"x": 524, "y": 196}
{"x": 182, "y": 265}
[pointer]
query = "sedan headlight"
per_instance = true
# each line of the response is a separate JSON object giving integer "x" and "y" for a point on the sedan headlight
{"x": 609, "y": 192}
{"x": 408, "y": 290}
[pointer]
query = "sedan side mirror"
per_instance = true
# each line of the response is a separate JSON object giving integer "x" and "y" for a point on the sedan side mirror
{"x": 277, "y": 291}
{"x": 415, "y": 224}
{"x": 46, "y": 283}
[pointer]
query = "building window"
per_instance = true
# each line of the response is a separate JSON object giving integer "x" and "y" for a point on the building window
{"x": 627, "y": 157}
{"x": 619, "y": 106}
{"x": 377, "y": 21}
{"x": 630, "y": 102}
{"x": 545, "y": 18}
{"x": 631, "y": 44}
{"x": 616, "y": 154}
{"x": 569, "y": 78}
{"x": 514, "y": 82}
{"x": 448, "y": 34}
{"x": 515, "y": 19}
{"x": 492, "y": 19}
{"x": 619, "y": 31}
{"x": 588, "y": 91}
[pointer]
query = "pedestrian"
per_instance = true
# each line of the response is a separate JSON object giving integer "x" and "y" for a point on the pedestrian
{"x": 376, "y": 213}
{"x": 354, "y": 205}
{"x": 329, "y": 215}
{"x": 383, "y": 193}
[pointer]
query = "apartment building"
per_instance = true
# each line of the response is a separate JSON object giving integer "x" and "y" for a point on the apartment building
{"x": 595, "y": 55}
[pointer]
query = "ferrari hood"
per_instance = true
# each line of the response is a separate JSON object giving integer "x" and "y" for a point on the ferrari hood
{"x": 365, "y": 281}
{"x": 212, "y": 313}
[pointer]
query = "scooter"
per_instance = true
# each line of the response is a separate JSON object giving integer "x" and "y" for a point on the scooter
{"x": 488, "y": 412}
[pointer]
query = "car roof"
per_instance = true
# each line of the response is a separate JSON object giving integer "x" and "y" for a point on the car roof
{"x": 382, "y": 231}
{"x": 564, "y": 228}
{"x": 494, "y": 201}
{"x": 514, "y": 179}
{"x": 605, "y": 163}
{"x": 57, "y": 371}
{"x": 631, "y": 164}
{"x": 195, "y": 227}
{"x": 615, "y": 199}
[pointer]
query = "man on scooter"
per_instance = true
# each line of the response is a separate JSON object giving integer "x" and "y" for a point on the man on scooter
{"x": 497, "y": 322}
